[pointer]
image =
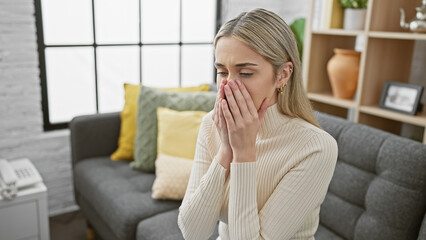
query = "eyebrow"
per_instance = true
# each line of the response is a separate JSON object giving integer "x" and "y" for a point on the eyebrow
{"x": 237, "y": 65}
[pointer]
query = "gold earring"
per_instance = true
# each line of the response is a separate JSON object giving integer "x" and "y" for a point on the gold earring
{"x": 281, "y": 90}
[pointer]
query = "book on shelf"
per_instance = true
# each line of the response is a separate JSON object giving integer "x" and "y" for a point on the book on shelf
{"x": 327, "y": 14}
{"x": 334, "y": 14}
{"x": 317, "y": 13}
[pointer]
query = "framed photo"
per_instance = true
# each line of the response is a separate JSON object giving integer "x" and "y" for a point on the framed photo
{"x": 401, "y": 97}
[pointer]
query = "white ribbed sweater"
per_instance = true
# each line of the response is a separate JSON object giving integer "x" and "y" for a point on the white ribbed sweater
{"x": 276, "y": 197}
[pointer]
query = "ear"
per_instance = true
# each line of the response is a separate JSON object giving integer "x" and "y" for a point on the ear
{"x": 284, "y": 74}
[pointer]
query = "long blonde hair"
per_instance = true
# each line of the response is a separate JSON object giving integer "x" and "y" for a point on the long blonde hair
{"x": 268, "y": 34}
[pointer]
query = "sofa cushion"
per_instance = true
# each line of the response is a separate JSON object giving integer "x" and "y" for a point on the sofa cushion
{"x": 323, "y": 233}
{"x": 172, "y": 176}
{"x": 164, "y": 227}
{"x": 119, "y": 195}
{"x": 149, "y": 100}
{"x": 378, "y": 187}
{"x": 178, "y": 132}
{"x": 422, "y": 233}
{"x": 127, "y": 124}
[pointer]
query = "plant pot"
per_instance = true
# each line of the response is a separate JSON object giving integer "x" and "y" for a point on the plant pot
{"x": 354, "y": 18}
{"x": 342, "y": 71}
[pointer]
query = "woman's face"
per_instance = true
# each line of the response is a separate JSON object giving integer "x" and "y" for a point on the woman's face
{"x": 235, "y": 60}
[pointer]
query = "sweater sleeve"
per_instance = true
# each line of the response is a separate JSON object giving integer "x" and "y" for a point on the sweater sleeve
{"x": 296, "y": 196}
{"x": 201, "y": 205}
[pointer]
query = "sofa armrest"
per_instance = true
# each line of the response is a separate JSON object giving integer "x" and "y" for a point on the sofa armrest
{"x": 94, "y": 135}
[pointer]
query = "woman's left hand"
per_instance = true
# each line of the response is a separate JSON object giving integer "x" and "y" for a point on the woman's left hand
{"x": 242, "y": 120}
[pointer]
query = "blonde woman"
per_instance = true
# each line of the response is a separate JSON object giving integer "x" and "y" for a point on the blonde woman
{"x": 262, "y": 164}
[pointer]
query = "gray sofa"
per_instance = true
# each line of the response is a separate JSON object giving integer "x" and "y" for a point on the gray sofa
{"x": 378, "y": 190}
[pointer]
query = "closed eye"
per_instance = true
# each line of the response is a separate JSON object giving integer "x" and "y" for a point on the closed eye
{"x": 246, "y": 74}
{"x": 242, "y": 73}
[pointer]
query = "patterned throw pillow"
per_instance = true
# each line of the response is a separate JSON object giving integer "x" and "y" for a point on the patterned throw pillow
{"x": 172, "y": 176}
{"x": 145, "y": 151}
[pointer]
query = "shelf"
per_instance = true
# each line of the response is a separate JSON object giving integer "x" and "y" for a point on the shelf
{"x": 398, "y": 35}
{"x": 386, "y": 59}
{"x": 388, "y": 53}
{"x": 320, "y": 52}
{"x": 419, "y": 119}
{"x": 374, "y": 34}
{"x": 336, "y": 31}
{"x": 385, "y": 14}
{"x": 330, "y": 109}
{"x": 329, "y": 99}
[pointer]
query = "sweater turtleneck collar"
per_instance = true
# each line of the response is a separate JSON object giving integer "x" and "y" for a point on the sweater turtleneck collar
{"x": 273, "y": 119}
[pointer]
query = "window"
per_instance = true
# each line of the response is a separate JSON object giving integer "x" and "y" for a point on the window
{"x": 89, "y": 49}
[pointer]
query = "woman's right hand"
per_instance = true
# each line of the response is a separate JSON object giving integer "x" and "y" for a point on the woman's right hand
{"x": 224, "y": 155}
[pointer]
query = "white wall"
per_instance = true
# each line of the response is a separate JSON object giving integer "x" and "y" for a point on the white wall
{"x": 21, "y": 120}
{"x": 289, "y": 10}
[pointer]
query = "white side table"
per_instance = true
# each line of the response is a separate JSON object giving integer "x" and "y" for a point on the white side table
{"x": 25, "y": 217}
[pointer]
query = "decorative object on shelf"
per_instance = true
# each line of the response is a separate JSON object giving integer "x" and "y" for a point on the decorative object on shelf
{"x": 354, "y": 14}
{"x": 360, "y": 42}
{"x": 342, "y": 71}
{"x": 401, "y": 97}
{"x": 418, "y": 24}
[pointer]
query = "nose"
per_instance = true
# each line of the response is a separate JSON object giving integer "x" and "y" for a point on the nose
{"x": 231, "y": 76}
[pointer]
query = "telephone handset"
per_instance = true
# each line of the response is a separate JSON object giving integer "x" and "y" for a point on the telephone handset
{"x": 17, "y": 174}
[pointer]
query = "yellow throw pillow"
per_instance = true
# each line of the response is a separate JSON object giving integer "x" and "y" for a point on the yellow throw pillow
{"x": 128, "y": 118}
{"x": 172, "y": 176}
{"x": 178, "y": 132}
{"x": 128, "y": 123}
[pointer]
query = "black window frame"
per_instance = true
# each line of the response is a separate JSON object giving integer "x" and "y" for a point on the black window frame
{"x": 47, "y": 125}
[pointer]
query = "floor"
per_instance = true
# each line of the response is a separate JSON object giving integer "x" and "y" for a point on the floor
{"x": 68, "y": 226}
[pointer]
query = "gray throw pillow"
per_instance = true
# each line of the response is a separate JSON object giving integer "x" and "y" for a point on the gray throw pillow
{"x": 145, "y": 149}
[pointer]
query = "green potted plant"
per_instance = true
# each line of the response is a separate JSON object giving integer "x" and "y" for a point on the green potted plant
{"x": 354, "y": 14}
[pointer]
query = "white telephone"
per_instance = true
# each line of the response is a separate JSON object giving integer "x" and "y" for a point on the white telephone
{"x": 17, "y": 174}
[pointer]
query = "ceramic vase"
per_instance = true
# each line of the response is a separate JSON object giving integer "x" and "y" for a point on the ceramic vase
{"x": 354, "y": 18}
{"x": 342, "y": 71}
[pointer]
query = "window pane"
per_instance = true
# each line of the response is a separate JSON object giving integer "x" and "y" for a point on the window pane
{"x": 67, "y": 22}
{"x": 160, "y": 66}
{"x": 70, "y": 82}
{"x": 160, "y": 21}
{"x": 198, "y": 20}
{"x": 117, "y": 21}
{"x": 197, "y": 65}
{"x": 116, "y": 66}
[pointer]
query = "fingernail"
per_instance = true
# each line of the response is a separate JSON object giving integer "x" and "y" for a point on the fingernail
{"x": 232, "y": 83}
{"x": 239, "y": 83}
{"x": 227, "y": 88}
